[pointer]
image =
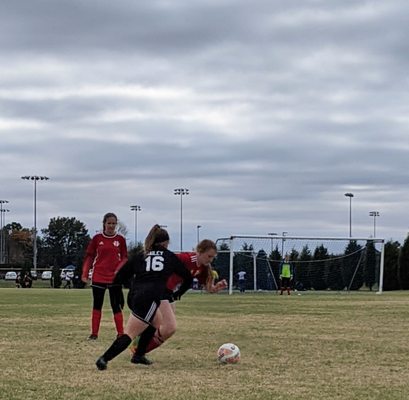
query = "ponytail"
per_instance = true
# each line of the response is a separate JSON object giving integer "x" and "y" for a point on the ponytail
{"x": 156, "y": 235}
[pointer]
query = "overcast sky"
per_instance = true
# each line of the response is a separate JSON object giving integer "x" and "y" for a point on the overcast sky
{"x": 267, "y": 111}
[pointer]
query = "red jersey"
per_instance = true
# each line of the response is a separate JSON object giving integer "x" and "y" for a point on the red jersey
{"x": 189, "y": 260}
{"x": 104, "y": 254}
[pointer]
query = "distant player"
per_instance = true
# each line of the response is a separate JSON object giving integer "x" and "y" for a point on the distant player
{"x": 286, "y": 274}
{"x": 242, "y": 281}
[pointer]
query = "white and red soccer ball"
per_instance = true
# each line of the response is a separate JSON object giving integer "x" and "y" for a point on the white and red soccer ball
{"x": 228, "y": 353}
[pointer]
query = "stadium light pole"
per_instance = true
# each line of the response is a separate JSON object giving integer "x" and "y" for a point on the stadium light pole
{"x": 181, "y": 192}
{"x": 350, "y": 195}
{"x": 1, "y": 228}
{"x": 282, "y": 243}
{"x": 374, "y": 214}
{"x": 3, "y": 237}
{"x": 135, "y": 209}
{"x": 197, "y": 231}
{"x": 35, "y": 178}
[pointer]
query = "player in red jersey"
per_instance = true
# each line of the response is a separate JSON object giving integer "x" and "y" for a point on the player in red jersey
{"x": 199, "y": 265}
{"x": 105, "y": 254}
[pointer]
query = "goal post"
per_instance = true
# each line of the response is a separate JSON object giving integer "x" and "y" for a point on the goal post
{"x": 320, "y": 263}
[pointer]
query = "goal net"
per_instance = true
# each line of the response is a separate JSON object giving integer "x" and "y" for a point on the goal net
{"x": 319, "y": 263}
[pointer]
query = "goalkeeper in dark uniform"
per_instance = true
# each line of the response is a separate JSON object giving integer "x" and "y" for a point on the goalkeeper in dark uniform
{"x": 148, "y": 273}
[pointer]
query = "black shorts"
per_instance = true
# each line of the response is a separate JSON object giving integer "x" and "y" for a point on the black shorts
{"x": 144, "y": 301}
{"x": 285, "y": 282}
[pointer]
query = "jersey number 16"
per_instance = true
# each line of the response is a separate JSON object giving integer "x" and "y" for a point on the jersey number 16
{"x": 154, "y": 263}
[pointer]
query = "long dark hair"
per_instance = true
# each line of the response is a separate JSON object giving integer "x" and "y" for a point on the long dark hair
{"x": 106, "y": 216}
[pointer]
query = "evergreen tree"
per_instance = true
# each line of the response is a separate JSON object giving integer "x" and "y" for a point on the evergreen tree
{"x": 404, "y": 265}
{"x": 275, "y": 261}
{"x": 391, "y": 262}
{"x": 370, "y": 265}
{"x": 335, "y": 280}
{"x": 243, "y": 261}
{"x": 304, "y": 268}
{"x": 352, "y": 266}
{"x": 318, "y": 279}
{"x": 222, "y": 262}
{"x": 264, "y": 279}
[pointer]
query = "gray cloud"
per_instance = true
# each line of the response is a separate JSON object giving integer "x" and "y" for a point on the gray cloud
{"x": 267, "y": 112}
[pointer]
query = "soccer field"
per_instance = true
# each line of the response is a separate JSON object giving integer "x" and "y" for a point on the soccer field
{"x": 313, "y": 346}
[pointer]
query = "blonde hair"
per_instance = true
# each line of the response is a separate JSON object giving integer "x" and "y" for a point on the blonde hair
{"x": 205, "y": 245}
{"x": 202, "y": 247}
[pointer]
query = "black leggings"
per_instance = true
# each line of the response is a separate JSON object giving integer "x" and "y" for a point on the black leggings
{"x": 116, "y": 296}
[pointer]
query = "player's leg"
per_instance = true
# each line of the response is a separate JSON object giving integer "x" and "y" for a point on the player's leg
{"x": 134, "y": 327}
{"x": 168, "y": 325}
{"x": 153, "y": 338}
{"x": 148, "y": 335}
{"x": 140, "y": 344}
{"x": 98, "y": 293}
{"x": 143, "y": 312}
{"x": 117, "y": 303}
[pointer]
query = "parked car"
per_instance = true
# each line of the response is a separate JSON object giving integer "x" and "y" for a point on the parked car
{"x": 11, "y": 276}
{"x": 34, "y": 274}
{"x": 46, "y": 275}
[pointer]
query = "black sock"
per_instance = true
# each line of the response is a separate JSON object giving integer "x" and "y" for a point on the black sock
{"x": 144, "y": 340}
{"x": 117, "y": 347}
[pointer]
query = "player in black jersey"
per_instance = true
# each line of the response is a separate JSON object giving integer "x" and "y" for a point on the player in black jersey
{"x": 148, "y": 273}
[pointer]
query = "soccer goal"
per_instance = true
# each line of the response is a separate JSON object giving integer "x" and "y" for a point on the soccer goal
{"x": 320, "y": 263}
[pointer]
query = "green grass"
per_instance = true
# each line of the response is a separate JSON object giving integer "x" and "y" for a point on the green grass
{"x": 313, "y": 346}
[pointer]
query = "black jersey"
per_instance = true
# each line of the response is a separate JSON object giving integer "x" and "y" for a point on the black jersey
{"x": 153, "y": 270}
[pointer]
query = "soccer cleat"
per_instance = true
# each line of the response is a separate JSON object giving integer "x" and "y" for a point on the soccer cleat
{"x": 140, "y": 360}
{"x": 101, "y": 364}
{"x": 92, "y": 337}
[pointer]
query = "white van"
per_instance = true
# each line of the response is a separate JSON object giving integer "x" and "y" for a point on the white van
{"x": 11, "y": 276}
{"x": 46, "y": 275}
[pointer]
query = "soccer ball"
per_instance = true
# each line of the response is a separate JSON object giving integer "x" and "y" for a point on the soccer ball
{"x": 228, "y": 353}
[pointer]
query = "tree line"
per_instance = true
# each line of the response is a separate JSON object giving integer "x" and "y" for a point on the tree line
{"x": 65, "y": 239}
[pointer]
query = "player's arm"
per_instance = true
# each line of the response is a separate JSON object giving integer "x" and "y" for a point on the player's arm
{"x": 86, "y": 266}
{"x": 181, "y": 270}
{"x": 124, "y": 254}
{"x": 127, "y": 269}
{"x": 88, "y": 259}
{"x": 210, "y": 284}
